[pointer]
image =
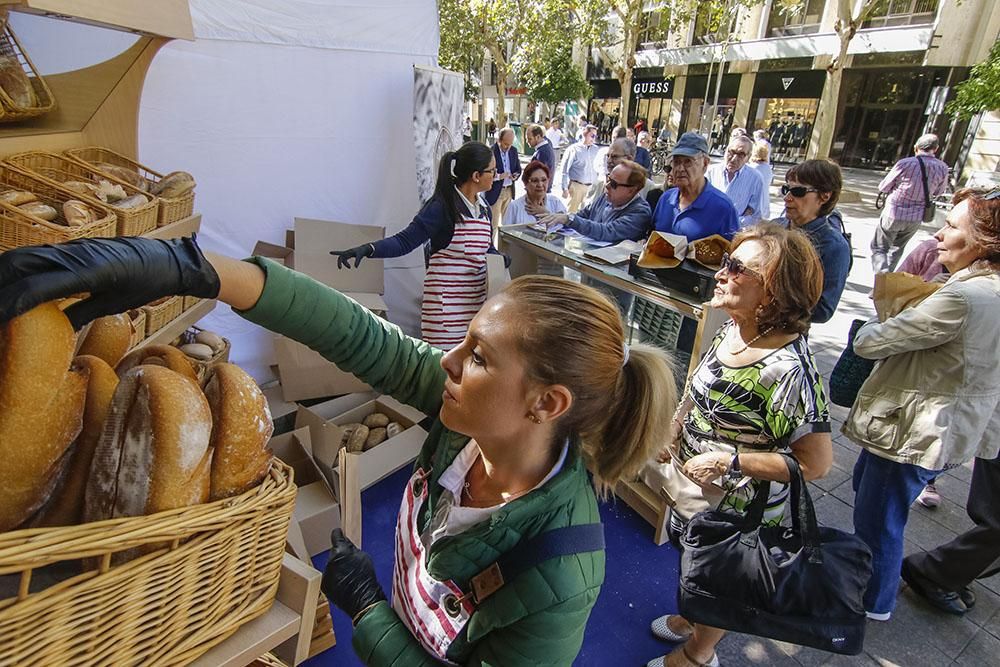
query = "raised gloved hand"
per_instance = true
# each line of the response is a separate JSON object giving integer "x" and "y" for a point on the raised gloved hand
{"x": 357, "y": 254}
{"x": 118, "y": 273}
{"x": 349, "y": 579}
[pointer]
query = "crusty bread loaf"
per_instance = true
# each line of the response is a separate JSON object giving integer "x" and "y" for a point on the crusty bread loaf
{"x": 153, "y": 453}
{"x": 66, "y": 506}
{"x": 174, "y": 184}
{"x": 130, "y": 176}
{"x": 77, "y": 213}
{"x": 16, "y": 84}
{"x": 41, "y": 408}
{"x": 135, "y": 201}
{"x": 158, "y": 355}
{"x": 18, "y": 197}
{"x": 108, "y": 338}
{"x": 40, "y": 210}
{"x": 241, "y": 428}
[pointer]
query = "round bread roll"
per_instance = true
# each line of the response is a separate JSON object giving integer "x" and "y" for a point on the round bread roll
{"x": 66, "y": 506}
{"x": 41, "y": 408}
{"x": 108, "y": 338}
{"x": 661, "y": 248}
{"x": 18, "y": 197}
{"x": 110, "y": 192}
{"x": 241, "y": 428}
{"x": 158, "y": 355}
{"x": 77, "y": 213}
{"x": 40, "y": 210}
{"x": 153, "y": 453}
{"x": 211, "y": 339}
{"x": 197, "y": 351}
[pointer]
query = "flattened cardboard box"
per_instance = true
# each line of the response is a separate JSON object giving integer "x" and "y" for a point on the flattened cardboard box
{"x": 325, "y": 420}
{"x": 317, "y": 511}
{"x": 304, "y": 373}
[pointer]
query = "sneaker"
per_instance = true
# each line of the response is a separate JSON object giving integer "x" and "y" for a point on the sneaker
{"x": 929, "y": 497}
{"x": 873, "y": 616}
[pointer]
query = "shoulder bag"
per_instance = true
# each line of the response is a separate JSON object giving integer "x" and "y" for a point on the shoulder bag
{"x": 929, "y": 208}
{"x": 850, "y": 372}
{"x": 804, "y": 585}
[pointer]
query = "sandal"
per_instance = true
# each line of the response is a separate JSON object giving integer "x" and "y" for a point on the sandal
{"x": 689, "y": 661}
{"x": 661, "y": 628}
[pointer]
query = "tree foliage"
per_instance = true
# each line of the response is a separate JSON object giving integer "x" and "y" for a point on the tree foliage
{"x": 461, "y": 49}
{"x": 981, "y": 91}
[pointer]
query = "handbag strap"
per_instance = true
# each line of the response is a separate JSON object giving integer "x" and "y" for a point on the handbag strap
{"x": 923, "y": 177}
{"x": 804, "y": 521}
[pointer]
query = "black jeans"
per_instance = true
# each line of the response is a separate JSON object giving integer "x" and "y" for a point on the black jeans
{"x": 975, "y": 554}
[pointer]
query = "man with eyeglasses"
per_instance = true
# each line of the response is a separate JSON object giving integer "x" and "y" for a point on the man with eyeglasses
{"x": 742, "y": 185}
{"x": 621, "y": 149}
{"x": 619, "y": 213}
{"x": 535, "y": 136}
{"x": 693, "y": 208}
{"x": 578, "y": 169}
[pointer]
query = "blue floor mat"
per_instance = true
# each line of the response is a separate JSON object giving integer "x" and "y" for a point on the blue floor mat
{"x": 640, "y": 584}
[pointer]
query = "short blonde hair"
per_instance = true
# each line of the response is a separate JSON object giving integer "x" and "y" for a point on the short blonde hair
{"x": 761, "y": 151}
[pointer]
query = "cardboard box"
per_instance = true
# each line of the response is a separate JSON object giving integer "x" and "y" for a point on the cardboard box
{"x": 304, "y": 373}
{"x": 317, "y": 511}
{"x": 325, "y": 420}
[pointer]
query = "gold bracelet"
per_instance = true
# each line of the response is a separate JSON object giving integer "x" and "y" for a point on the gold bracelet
{"x": 360, "y": 614}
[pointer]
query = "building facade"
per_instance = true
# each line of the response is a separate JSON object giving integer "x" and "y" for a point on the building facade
{"x": 902, "y": 67}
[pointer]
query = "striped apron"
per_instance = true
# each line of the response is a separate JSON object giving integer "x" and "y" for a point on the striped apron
{"x": 432, "y": 610}
{"x": 455, "y": 285}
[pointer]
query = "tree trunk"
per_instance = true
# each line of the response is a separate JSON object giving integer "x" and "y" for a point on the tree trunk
{"x": 501, "y": 100}
{"x": 826, "y": 116}
{"x": 625, "y": 79}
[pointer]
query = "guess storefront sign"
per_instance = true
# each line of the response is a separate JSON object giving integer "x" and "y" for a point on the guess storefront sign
{"x": 653, "y": 87}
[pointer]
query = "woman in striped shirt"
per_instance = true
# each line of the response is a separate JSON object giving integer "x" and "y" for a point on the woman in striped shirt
{"x": 456, "y": 223}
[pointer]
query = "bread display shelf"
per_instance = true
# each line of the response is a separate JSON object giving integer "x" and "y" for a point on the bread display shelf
{"x": 180, "y": 324}
{"x": 164, "y": 18}
{"x": 175, "y": 230}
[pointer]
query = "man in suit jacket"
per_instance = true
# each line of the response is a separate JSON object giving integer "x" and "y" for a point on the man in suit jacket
{"x": 508, "y": 170}
{"x": 543, "y": 149}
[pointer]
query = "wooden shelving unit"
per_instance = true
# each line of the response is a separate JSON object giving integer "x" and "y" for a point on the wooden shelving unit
{"x": 162, "y": 18}
{"x": 179, "y": 324}
{"x": 183, "y": 227}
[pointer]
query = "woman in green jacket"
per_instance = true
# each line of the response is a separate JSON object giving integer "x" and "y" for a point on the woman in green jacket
{"x": 542, "y": 388}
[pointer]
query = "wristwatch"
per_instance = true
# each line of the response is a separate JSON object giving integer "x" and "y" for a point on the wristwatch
{"x": 734, "y": 472}
{"x": 570, "y": 219}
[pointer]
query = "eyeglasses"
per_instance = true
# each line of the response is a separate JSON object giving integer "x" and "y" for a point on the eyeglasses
{"x": 487, "y": 171}
{"x": 730, "y": 153}
{"x": 735, "y": 267}
{"x": 797, "y": 191}
{"x": 614, "y": 185}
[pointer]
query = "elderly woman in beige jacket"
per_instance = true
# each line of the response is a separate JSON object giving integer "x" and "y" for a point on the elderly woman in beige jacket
{"x": 933, "y": 401}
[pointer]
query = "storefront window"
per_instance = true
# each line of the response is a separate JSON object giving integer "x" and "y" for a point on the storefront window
{"x": 656, "y": 113}
{"x": 901, "y": 12}
{"x": 603, "y": 113}
{"x": 695, "y": 117}
{"x": 804, "y": 19}
{"x": 788, "y": 122}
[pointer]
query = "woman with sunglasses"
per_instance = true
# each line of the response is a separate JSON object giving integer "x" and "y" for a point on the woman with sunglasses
{"x": 456, "y": 222}
{"x": 500, "y": 555}
{"x": 932, "y": 403}
{"x": 536, "y": 202}
{"x": 756, "y": 393}
{"x": 810, "y": 192}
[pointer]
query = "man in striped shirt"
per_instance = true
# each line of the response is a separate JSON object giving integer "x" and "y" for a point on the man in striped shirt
{"x": 904, "y": 208}
{"x": 741, "y": 185}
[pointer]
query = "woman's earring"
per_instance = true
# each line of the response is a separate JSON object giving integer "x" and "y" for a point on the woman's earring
{"x": 534, "y": 418}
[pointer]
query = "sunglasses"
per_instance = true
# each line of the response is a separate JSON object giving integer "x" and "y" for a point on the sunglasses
{"x": 797, "y": 191}
{"x": 614, "y": 185}
{"x": 735, "y": 267}
{"x": 994, "y": 194}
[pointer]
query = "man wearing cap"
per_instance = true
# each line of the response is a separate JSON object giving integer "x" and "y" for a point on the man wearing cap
{"x": 742, "y": 185}
{"x": 694, "y": 208}
{"x": 619, "y": 213}
{"x": 578, "y": 169}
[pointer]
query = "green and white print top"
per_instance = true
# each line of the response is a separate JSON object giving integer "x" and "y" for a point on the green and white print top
{"x": 760, "y": 407}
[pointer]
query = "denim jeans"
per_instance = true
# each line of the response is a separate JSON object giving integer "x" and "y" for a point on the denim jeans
{"x": 883, "y": 493}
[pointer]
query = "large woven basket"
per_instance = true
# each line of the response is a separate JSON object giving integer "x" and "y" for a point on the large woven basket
{"x": 172, "y": 209}
{"x": 57, "y": 169}
{"x": 161, "y": 314}
{"x": 215, "y": 567}
{"x": 11, "y": 111}
{"x": 18, "y": 228}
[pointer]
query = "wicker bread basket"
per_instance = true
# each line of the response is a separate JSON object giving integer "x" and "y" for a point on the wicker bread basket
{"x": 172, "y": 209}
{"x": 138, "y": 317}
{"x": 218, "y": 567}
{"x": 10, "y": 110}
{"x": 56, "y": 169}
{"x": 19, "y": 228}
{"x": 161, "y": 314}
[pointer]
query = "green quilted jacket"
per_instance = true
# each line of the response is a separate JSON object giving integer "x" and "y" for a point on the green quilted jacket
{"x": 539, "y": 618}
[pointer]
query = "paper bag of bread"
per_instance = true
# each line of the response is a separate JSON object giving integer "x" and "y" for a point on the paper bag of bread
{"x": 709, "y": 251}
{"x": 663, "y": 251}
{"x": 895, "y": 292}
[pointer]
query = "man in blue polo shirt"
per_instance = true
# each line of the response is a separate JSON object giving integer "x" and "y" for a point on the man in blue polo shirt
{"x": 694, "y": 208}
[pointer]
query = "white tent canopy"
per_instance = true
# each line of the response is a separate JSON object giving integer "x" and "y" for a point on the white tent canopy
{"x": 281, "y": 109}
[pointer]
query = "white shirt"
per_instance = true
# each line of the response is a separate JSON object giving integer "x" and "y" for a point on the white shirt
{"x": 517, "y": 215}
{"x": 555, "y": 136}
{"x": 505, "y": 159}
{"x": 450, "y": 518}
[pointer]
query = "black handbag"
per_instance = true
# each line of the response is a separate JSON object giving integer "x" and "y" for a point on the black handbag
{"x": 804, "y": 585}
{"x": 850, "y": 372}
{"x": 929, "y": 208}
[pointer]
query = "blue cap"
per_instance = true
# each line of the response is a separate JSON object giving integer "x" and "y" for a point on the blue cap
{"x": 690, "y": 144}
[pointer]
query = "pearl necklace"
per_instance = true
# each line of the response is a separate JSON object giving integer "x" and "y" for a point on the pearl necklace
{"x": 752, "y": 341}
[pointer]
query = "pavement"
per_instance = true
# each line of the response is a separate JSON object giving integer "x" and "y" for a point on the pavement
{"x": 917, "y": 635}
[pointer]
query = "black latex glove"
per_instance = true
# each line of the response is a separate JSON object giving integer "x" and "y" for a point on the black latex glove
{"x": 119, "y": 273}
{"x": 357, "y": 254}
{"x": 349, "y": 579}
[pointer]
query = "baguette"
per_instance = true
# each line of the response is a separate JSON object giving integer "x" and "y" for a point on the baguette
{"x": 241, "y": 428}
{"x": 158, "y": 355}
{"x": 41, "y": 408}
